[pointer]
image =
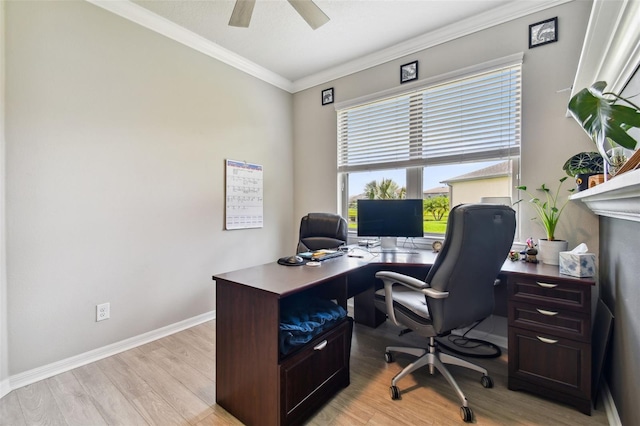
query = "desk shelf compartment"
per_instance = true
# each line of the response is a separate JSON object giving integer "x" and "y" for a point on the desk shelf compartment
{"x": 550, "y": 338}
{"x": 254, "y": 382}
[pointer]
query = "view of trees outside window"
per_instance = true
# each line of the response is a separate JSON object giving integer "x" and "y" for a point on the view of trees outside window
{"x": 443, "y": 187}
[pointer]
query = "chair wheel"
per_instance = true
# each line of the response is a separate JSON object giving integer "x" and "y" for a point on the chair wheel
{"x": 395, "y": 392}
{"x": 388, "y": 356}
{"x": 466, "y": 414}
{"x": 486, "y": 381}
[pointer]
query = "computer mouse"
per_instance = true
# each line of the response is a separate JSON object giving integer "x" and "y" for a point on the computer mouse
{"x": 294, "y": 259}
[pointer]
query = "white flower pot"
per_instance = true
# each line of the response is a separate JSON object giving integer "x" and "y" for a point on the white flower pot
{"x": 549, "y": 251}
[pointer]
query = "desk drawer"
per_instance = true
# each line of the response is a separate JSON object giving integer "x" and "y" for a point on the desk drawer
{"x": 549, "y": 363}
{"x": 558, "y": 322}
{"x": 550, "y": 293}
{"x": 314, "y": 374}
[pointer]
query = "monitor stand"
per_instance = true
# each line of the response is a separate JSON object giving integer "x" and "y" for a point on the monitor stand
{"x": 388, "y": 244}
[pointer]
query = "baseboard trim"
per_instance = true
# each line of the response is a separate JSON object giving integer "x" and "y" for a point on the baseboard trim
{"x": 58, "y": 367}
{"x": 609, "y": 405}
{"x": 5, "y": 387}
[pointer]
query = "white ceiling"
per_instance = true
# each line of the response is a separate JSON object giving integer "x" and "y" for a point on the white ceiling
{"x": 280, "y": 48}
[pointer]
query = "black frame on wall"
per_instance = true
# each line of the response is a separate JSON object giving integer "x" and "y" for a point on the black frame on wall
{"x": 543, "y": 32}
{"x": 327, "y": 96}
{"x": 409, "y": 72}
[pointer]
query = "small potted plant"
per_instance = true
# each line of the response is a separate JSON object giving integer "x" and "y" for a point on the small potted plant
{"x": 604, "y": 119}
{"x": 582, "y": 165}
{"x": 548, "y": 210}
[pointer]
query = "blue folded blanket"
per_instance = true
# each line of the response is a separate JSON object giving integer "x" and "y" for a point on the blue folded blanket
{"x": 301, "y": 319}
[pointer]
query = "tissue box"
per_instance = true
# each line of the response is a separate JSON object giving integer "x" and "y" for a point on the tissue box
{"x": 577, "y": 265}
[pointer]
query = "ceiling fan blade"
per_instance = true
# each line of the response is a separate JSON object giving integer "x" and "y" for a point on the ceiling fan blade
{"x": 311, "y": 13}
{"x": 241, "y": 15}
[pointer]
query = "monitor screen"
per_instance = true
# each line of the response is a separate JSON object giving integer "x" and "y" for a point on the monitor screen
{"x": 390, "y": 218}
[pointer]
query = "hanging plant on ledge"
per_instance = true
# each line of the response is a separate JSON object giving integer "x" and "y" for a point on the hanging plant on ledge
{"x": 605, "y": 121}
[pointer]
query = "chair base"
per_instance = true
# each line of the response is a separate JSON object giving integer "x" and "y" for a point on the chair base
{"x": 436, "y": 360}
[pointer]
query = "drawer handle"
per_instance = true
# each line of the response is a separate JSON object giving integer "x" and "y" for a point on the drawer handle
{"x": 546, "y": 285}
{"x": 549, "y": 313}
{"x": 320, "y": 346}
{"x": 545, "y": 340}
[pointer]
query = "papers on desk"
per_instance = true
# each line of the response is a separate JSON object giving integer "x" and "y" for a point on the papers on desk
{"x": 320, "y": 254}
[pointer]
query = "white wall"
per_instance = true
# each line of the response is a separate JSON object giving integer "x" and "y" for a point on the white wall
{"x": 4, "y": 353}
{"x": 115, "y": 145}
{"x": 548, "y": 136}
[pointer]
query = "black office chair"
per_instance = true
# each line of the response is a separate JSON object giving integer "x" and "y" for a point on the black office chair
{"x": 458, "y": 289}
{"x": 322, "y": 231}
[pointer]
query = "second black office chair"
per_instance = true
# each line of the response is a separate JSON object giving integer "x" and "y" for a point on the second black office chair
{"x": 457, "y": 291}
{"x": 322, "y": 231}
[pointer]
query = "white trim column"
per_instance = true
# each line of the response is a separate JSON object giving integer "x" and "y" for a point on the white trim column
{"x": 4, "y": 329}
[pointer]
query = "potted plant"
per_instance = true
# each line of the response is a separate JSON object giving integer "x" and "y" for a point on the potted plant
{"x": 582, "y": 165}
{"x": 548, "y": 210}
{"x": 605, "y": 121}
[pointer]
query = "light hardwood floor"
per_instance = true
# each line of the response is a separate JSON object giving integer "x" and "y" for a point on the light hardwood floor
{"x": 172, "y": 382}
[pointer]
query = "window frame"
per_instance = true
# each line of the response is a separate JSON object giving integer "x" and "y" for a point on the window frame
{"x": 414, "y": 173}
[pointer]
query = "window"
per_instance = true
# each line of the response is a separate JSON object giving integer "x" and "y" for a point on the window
{"x": 454, "y": 140}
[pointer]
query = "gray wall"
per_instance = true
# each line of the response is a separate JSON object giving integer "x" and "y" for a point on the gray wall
{"x": 619, "y": 279}
{"x": 4, "y": 329}
{"x": 548, "y": 136}
{"x": 620, "y": 291}
{"x": 115, "y": 145}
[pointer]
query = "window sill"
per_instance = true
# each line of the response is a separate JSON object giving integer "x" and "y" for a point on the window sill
{"x": 619, "y": 197}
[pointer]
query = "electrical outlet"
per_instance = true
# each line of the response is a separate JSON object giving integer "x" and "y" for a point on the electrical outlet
{"x": 103, "y": 311}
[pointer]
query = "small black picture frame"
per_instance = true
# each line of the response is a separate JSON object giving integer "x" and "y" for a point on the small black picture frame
{"x": 409, "y": 72}
{"x": 543, "y": 32}
{"x": 327, "y": 96}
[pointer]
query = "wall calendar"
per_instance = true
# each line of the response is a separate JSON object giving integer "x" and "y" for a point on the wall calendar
{"x": 243, "y": 197}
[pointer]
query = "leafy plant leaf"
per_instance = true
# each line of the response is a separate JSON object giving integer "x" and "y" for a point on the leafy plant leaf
{"x": 604, "y": 120}
{"x": 584, "y": 162}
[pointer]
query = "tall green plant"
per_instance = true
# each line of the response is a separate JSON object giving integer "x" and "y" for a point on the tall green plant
{"x": 548, "y": 209}
{"x": 605, "y": 120}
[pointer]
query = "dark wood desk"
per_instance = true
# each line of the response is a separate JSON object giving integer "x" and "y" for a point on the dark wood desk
{"x": 549, "y": 329}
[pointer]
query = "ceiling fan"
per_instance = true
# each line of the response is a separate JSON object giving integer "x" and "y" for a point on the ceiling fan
{"x": 315, "y": 17}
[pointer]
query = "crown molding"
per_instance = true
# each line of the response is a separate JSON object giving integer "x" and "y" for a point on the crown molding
{"x": 154, "y": 22}
{"x": 144, "y": 17}
{"x": 513, "y": 10}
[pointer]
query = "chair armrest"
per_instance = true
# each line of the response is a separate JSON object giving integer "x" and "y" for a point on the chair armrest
{"x": 405, "y": 280}
{"x": 390, "y": 278}
{"x": 413, "y": 283}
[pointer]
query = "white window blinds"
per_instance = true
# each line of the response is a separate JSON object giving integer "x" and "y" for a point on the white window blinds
{"x": 467, "y": 119}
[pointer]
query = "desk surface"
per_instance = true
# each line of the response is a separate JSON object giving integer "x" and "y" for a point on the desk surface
{"x": 284, "y": 280}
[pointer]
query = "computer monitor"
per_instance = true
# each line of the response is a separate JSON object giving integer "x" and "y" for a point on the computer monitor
{"x": 389, "y": 219}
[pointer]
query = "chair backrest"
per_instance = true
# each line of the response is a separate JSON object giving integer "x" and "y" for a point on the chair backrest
{"x": 322, "y": 231}
{"x": 476, "y": 245}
